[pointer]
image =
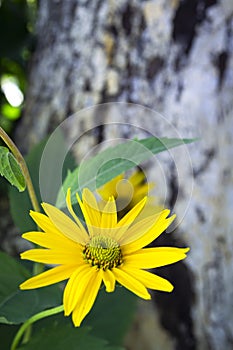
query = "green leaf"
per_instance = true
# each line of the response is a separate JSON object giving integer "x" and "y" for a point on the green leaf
{"x": 112, "y": 315}
{"x": 20, "y": 203}
{"x": 95, "y": 172}
{"x": 60, "y": 337}
{"x": 109, "y": 318}
{"x": 17, "y": 306}
{"x": 10, "y": 169}
{"x": 7, "y": 333}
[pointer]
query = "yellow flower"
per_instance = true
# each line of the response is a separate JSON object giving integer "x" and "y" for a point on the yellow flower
{"x": 131, "y": 190}
{"x": 105, "y": 251}
{"x": 128, "y": 192}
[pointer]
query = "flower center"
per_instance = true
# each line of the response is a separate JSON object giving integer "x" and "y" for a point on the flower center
{"x": 103, "y": 252}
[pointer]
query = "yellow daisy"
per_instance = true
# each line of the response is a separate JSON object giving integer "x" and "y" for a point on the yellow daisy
{"x": 132, "y": 190}
{"x": 105, "y": 251}
{"x": 128, "y": 192}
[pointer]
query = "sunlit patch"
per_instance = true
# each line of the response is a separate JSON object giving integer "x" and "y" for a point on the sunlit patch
{"x": 11, "y": 91}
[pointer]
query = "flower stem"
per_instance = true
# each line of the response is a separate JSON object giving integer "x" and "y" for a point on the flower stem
{"x": 23, "y": 167}
{"x": 31, "y": 320}
{"x": 27, "y": 334}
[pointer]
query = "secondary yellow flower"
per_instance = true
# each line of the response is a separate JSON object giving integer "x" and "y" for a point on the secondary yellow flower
{"x": 128, "y": 192}
{"x": 105, "y": 251}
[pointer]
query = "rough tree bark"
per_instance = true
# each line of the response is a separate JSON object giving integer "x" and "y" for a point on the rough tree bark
{"x": 175, "y": 57}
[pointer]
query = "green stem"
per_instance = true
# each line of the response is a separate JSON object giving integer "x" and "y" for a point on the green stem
{"x": 27, "y": 334}
{"x": 23, "y": 167}
{"x": 37, "y": 268}
{"x": 31, "y": 320}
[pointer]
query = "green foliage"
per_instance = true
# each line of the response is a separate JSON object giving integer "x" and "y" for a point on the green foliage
{"x": 7, "y": 333}
{"x": 112, "y": 162}
{"x": 10, "y": 169}
{"x": 20, "y": 203}
{"x": 16, "y": 44}
{"x": 17, "y": 306}
{"x": 12, "y": 113}
{"x": 112, "y": 312}
{"x": 13, "y": 26}
{"x": 109, "y": 319}
{"x": 60, "y": 337}
{"x": 112, "y": 315}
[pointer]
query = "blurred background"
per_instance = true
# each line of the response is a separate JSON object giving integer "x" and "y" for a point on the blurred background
{"x": 172, "y": 56}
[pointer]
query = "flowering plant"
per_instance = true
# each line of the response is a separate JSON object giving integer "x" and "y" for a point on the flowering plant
{"x": 100, "y": 243}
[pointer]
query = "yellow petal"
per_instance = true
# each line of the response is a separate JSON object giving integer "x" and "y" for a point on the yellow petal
{"x": 64, "y": 223}
{"x": 125, "y": 192}
{"x": 56, "y": 274}
{"x": 149, "y": 236}
{"x": 75, "y": 285}
{"x": 87, "y": 298}
{"x": 48, "y": 256}
{"x": 70, "y": 208}
{"x": 138, "y": 230}
{"x": 44, "y": 222}
{"x": 128, "y": 219}
{"x": 130, "y": 283}
{"x": 154, "y": 257}
{"x": 90, "y": 210}
{"x": 48, "y": 240}
{"x": 152, "y": 207}
{"x": 91, "y": 207}
{"x": 109, "y": 281}
{"x": 149, "y": 280}
{"x": 137, "y": 178}
{"x": 140, "y": 192}
{"x": 109, "y": 214}
{"x": 110, "y": 188}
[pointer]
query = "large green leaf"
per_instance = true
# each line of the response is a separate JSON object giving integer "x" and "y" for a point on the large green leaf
{"x": 112, "y": 315}
{"x": 10, "y": 169}
{"x": 17, "y": 306}
{"x": 65, "y": 336}
{"x": 113, "y": 161}
{"x": 109, "y": 318}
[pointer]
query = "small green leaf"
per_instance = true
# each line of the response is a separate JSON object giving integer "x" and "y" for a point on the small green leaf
{"x": 60, "y": 337}
{"x": 96, "y": 171}
{"x": 20, "y": 202}
{"x": 17, "y": 306}
{"x": 10, "y": 169}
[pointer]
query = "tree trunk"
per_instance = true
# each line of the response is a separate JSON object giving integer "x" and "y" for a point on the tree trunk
{"x": 175, "y": 57}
